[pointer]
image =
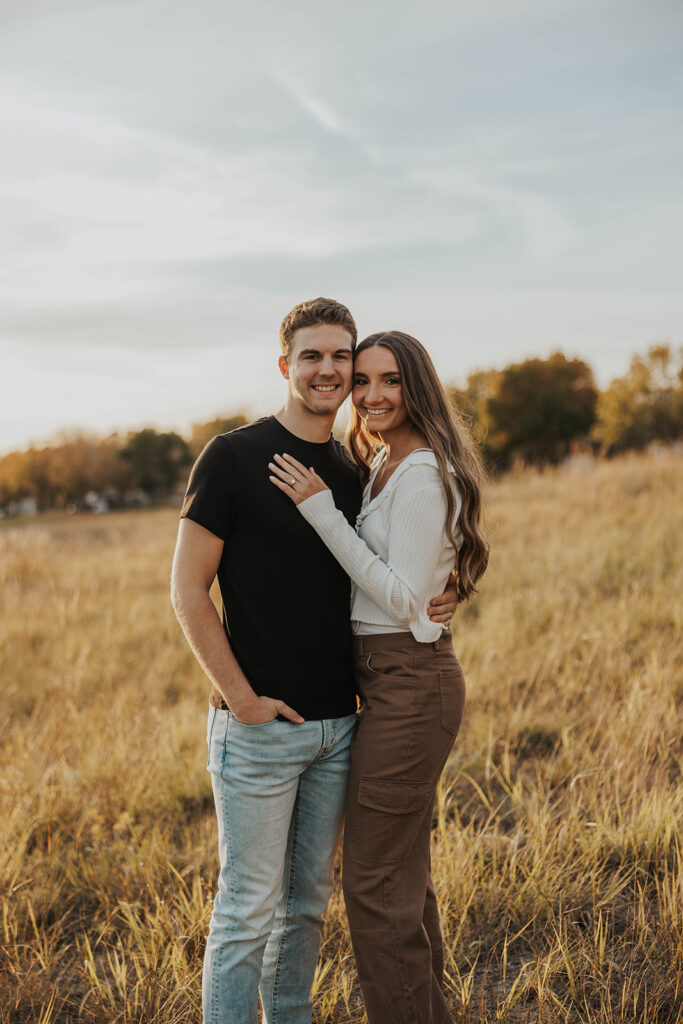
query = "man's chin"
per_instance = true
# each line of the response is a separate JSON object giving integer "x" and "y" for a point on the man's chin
{"x": 325, "y": 406}
{"x": 327, "y": 410}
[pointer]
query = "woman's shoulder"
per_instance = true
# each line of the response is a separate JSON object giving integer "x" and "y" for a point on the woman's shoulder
{"x": 417, "y": 474}
{"x": 420, "y": 471}
{"x": 419, "y": 467}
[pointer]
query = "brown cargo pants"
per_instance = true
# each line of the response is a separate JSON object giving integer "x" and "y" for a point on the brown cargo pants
{"x": 412, "y": 701}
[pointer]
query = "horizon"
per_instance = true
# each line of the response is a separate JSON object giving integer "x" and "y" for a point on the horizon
{"x": 64, "y": 434}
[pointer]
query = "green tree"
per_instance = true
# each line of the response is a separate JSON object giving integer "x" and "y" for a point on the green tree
{"x": 645, "y": 405}
{"x": 155, "y": 460}
{"x": 532, "y": 410}
{"x": 540, "y": 407}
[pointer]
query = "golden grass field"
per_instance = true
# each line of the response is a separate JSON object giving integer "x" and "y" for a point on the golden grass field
{"x": 557, "y": 844}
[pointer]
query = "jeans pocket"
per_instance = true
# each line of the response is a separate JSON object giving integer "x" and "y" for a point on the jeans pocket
{"x": 215, "y": 739}
{"x": 250, "y": 725}
{"x": 452, "y": 696}
{"x": 211, "y": 718}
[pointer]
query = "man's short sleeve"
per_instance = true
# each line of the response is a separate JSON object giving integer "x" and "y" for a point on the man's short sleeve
{"x": 210, "y": 499}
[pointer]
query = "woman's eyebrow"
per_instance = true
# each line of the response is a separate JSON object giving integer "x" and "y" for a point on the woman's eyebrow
{"x": 389, "y": 373}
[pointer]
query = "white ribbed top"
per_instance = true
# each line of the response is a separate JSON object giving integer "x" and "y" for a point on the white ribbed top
{"x": 400, "y": 557}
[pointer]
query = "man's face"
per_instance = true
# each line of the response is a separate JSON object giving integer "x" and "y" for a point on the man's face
{"x": 319, "y": 367}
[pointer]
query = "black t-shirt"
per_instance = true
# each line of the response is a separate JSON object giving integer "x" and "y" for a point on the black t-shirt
{"x": 286, "y": 599}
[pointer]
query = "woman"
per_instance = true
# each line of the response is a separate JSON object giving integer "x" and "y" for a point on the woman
{"x": 419, "y": 520}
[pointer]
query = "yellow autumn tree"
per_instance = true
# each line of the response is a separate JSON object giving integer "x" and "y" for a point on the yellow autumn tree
{"x": 645, "y": 405}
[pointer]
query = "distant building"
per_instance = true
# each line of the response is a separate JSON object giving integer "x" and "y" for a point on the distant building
{"x": 96, "y": 503}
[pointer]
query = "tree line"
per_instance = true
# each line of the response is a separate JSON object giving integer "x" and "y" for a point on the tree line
{"x": 536, "y": 412}
{"x": 81, "y": 472}
{"x": 539, "y": 410}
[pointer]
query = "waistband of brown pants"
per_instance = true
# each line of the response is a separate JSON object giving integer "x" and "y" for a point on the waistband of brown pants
{"x": 403, "y": 641}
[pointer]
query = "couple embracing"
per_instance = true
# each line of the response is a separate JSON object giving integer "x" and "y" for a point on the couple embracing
{"x": 333, "y": 567}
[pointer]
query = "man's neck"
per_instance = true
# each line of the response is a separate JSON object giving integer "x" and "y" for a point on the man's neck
{"x": 304, "y": 424}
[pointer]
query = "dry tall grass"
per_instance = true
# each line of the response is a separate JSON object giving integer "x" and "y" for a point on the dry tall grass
{"x": 556, "y": 845}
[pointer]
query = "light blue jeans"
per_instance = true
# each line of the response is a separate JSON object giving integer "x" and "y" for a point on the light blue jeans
{"x": 279, "y": 790}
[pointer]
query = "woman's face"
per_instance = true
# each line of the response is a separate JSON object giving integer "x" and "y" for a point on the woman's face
{"x": 377, "y": 390}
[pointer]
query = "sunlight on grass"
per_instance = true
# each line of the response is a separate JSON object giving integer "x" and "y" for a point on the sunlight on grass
{"x": 557, "y": 849}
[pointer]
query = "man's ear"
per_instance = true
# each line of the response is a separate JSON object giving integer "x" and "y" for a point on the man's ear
{"x": 284, "y": 369}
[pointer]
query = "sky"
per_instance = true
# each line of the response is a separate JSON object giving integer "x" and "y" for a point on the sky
{"x": 501, "y": 179}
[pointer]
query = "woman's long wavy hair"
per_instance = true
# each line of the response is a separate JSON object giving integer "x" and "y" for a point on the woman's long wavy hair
{"x": 432, "y": 414}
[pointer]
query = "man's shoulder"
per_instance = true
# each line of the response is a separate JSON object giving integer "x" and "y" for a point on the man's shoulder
{"x": 242, "y": 438}
{"x": 226, "y": 452}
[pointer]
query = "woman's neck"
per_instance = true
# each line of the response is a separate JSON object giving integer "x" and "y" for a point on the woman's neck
{"x": 401, "y": 442}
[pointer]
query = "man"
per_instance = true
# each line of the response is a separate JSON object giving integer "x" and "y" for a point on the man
{"x": 283, "y": 699}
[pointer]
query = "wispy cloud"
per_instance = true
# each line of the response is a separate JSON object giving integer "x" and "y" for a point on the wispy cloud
{"x": 87, "y": 197}
{"x": 264, "y": 153}
{"x": 321, "y": 112}
{"x": 545, "y": 229}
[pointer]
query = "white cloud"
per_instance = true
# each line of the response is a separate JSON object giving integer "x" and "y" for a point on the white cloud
{"x": 85, "y": 196}
{"x": 321, "y": 113}
{"x": 545, "y": 229}
{"x": 174, "y": 184}
{"x": 105, "y": 199}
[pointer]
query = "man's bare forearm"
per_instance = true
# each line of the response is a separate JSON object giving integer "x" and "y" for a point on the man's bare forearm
{"x": 201, "y": 625}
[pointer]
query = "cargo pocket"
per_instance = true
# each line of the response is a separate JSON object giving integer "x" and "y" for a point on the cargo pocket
{"x": 384, "y": 820}
{"x": 452, "y": 696}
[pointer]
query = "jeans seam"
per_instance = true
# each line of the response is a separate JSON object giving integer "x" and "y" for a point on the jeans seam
{"x": 288, "y": 907}
{"x": 210, "y": 735}
{"x": 225, "y": 745}
{"x": 216, "y": 973}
